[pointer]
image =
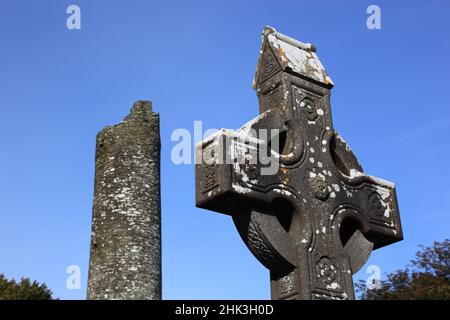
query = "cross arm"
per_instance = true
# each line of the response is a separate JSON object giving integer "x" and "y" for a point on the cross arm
{"x": 229, "y": 166}
{"x": 369, "y": 201}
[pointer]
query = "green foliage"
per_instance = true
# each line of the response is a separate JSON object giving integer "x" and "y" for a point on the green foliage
{"x": 23, "y": 290}
{"x": 426, "y": 277}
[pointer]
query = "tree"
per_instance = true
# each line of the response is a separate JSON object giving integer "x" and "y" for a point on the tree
{"x": 426, "y": 277}
{"x": 23, "y": 290}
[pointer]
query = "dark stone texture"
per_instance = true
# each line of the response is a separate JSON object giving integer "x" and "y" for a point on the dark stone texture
{"x": 125, "y": 260}
{"x": 316, "y": 220}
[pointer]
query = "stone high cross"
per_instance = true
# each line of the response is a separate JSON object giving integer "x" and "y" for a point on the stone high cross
{"x": 316, "y": 220}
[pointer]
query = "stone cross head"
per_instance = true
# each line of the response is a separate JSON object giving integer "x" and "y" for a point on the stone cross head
{"x": 296, "y": 192}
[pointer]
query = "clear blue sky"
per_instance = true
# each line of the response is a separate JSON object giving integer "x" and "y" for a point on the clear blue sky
{"x": 195, "y": 60}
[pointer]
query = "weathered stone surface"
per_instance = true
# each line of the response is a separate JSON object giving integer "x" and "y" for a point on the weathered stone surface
{"x": 314, "y": 222}
{"x": 125, "y": 260}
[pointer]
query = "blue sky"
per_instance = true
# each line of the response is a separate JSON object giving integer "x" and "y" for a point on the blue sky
{"x": 195, "y": 60}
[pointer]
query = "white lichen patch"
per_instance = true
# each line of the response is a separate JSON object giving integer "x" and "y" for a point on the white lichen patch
{"x": 240, "y": 189}
{"x": 244, "y": 176}
{"x": 385, "y": 194}
{"x": 283, "y": 192}
{"x": 333, "y": 286}
{"x": 382, "y": 182}
{"x": 354, "y": 173}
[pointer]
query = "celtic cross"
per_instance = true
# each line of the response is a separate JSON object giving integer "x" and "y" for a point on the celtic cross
{"x": 316, "y": 219}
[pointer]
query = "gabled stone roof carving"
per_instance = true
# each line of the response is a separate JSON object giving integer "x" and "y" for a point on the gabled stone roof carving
{"x": 280, "y": 52}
